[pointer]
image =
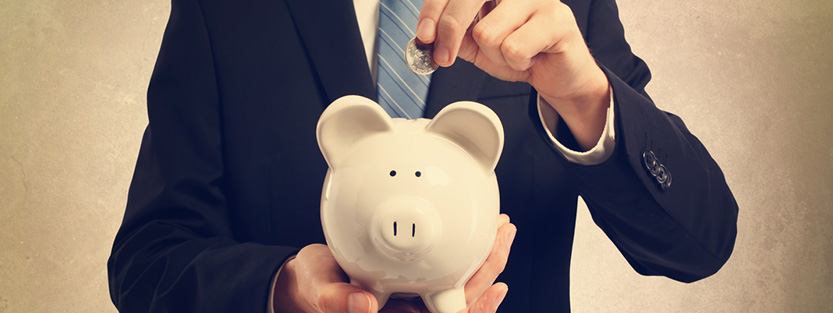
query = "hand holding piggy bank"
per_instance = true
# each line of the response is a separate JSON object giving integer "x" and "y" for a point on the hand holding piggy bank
{"x": 410, "y": 206}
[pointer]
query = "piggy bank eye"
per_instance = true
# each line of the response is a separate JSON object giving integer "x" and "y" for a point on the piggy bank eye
{"x": 392, "y": 173}
{"x": 418, "y": 173}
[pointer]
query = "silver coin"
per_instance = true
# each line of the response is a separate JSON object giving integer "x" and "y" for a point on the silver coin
{"x": 420, "y": 57}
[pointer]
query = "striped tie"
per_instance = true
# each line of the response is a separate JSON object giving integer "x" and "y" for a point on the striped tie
{"x": 402, "y": 93}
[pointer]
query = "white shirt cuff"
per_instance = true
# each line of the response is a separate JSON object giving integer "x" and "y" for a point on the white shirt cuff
{"x": 598, "y": 154}
{"x": 271, "y": 302}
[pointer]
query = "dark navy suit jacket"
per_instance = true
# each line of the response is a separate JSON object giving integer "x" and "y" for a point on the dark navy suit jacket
{"x": 228, "y": 180}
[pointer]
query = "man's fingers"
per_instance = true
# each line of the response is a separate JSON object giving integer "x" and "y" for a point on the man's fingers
{"x": 429, "y": 14}
{"x": 493, "y": 28}
{"x": 469, "y": 49}
{"x": 521, "y": 46}
{"x": 322, "y": 284}
{"x": 494, "y": 264}
{"x": 451, "y": 27}
{"x": 502, "y": 219}
{"x": 344, "y": 297}
{"x": 537, "y": 35}
{"x": 316, "y": 265}
{"x": 490, "y": 300}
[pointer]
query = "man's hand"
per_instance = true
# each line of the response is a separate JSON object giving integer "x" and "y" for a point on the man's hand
{"x": 313, "y": 282}
{"x": 534, "y": 41}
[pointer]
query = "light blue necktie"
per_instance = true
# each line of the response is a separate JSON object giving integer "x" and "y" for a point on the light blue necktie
{"x": 402, "y": 93}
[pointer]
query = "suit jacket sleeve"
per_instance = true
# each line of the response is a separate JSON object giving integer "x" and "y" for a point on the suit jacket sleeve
{"x": 682, "y": 226}
{"x": 175, "y": 251}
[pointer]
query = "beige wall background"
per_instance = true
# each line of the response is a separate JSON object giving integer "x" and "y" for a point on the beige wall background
{"x": 751, "y": 78}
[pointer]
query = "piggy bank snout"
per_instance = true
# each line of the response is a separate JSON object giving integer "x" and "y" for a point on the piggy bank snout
{"x": 405, "y": 230}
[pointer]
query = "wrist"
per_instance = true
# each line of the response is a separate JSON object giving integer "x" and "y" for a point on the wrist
{"x": 587, "y": 90}
{"x": 585, "y": 109}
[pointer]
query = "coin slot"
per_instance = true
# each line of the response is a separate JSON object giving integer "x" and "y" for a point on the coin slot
{"x": 394, "y": 228}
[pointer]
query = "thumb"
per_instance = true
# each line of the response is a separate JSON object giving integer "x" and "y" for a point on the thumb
{"x": 344, "y": 297}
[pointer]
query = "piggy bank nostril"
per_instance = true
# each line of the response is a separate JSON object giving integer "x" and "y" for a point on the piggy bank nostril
{"x": 396, "y": 229}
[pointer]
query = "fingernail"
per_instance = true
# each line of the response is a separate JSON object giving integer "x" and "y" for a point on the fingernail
{"x": 442, "y": 55}
{"x": 358, "y": 303}
{"x": 499, "y": 299}
{"x": 425, "y": 30}
{"x": 511, "y": 237}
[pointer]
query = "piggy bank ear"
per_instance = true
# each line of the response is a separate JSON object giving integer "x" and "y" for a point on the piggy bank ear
{"x": 347, "y": 121}
{"x": 473, "y": 127}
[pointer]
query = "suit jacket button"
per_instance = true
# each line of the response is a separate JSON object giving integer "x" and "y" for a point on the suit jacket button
{"x": 664, "y": 178}
{"x": 649, "y": 159}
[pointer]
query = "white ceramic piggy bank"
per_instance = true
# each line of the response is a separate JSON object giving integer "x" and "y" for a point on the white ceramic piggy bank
{"x": 410, "y": 206}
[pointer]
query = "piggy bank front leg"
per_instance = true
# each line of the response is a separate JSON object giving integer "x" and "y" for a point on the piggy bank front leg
{"x": 446, "y": 301}
{"x": 381, "y": 297}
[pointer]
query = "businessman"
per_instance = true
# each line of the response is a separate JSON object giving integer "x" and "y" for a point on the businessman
{"x": 222, "y": 214}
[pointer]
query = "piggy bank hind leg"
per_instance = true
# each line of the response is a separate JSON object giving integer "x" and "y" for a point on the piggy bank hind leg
{"x": 381, "y": 297}
{"x": 446, "y": 301}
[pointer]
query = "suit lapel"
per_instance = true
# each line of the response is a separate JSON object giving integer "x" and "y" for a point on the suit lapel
{"x": 461, "y": 81}
{"x": 333, "y": 41}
